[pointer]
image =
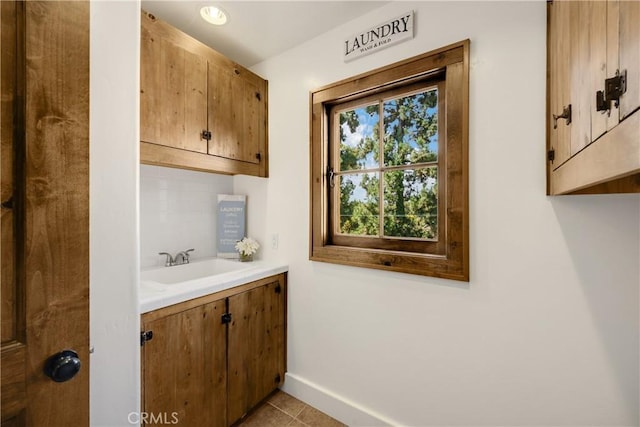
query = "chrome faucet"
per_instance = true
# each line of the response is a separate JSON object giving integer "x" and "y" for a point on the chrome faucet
{"x": 181, "y": 257}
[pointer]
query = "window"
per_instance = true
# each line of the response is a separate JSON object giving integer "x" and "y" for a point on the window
{"x": 383, "y": 168}
{"x": 389, "y": 175}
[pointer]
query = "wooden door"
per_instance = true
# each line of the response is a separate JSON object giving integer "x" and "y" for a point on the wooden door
{"x": 184, "y": 367}
{"x": 256, "y": 350}
{"x": 173, "y": 91}
{"x": 630, "y": 55}
{"x": 45, "y": 210}
{"x": 237, "y": 109}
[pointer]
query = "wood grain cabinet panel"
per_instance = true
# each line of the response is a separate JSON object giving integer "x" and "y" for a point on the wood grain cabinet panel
{"x": 256, "y": 346}
{"x": 630, "y": 55}
{"x": 198, "y": 109}
{"x": 237, "y": 114}
{"x": 210, "y": 360}
{"x": 559, "y": 41}
{"x": 593, "y": 143}
{"x": 173, "y": 94}
{"x": 185, "y": 367}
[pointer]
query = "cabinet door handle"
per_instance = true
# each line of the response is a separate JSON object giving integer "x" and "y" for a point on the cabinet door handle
{"x": 8, "y": 204}
{"x": 566, "y": 114}
{"x": 206, "y": 135}
{"x": 614, "y": 88}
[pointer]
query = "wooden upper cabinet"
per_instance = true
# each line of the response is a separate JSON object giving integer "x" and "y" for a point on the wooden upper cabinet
{"x": 593, "y": 142}
{"x": 630, "y": 55}
{"x": 559, "y": 41}
{"x": 173, "y": 94}
{"x": 237, "y": 113}
{"x": 198, "y": 109}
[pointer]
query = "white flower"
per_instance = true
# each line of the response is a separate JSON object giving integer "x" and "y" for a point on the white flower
{"x": 247, "y": 246}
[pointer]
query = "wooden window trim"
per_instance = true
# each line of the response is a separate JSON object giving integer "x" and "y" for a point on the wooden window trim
{"x": 452, "y": 262}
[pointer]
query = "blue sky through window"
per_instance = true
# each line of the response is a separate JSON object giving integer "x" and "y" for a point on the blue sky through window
{"x": 364, "y": 130}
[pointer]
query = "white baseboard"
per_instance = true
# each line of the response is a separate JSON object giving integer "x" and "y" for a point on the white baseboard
{"x": 340, "y": 408}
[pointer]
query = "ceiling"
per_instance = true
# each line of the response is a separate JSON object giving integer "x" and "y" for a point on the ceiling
{"x": 257, "y": 30}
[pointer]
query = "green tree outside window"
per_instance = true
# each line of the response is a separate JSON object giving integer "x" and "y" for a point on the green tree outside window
{"x": 388, "y": 169}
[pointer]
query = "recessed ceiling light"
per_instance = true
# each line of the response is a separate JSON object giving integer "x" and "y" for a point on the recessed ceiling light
{"x": 213, "y": 15}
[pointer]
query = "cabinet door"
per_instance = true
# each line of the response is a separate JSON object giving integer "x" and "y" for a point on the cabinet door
{"x": 630, "y": 55}
{"x": 184, "y": 368}
{"x": 256, "y": 349}
{"x": 580, "y": 48}
{"x": 588, "y": 55}
{"x": 173, "y": 94}
{"x": 613, "y": 62}
{"x": 580, "y": 76}
{"x": 598, "y": 53}
{"x": 237, "y": 114}
{"x": 559, "y": 79}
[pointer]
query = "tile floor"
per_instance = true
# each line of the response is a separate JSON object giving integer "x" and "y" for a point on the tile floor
{"x": 284, "y": 410}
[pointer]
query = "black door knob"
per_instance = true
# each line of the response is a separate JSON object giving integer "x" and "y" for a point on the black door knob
{"x": 62, "y": 366}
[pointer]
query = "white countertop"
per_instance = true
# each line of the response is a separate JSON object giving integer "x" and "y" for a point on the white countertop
{"x": 154, "y": 295}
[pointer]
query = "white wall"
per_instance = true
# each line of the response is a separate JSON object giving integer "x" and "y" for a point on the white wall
{"x": 114, "y": 264}
{"x": 178, "y": 212}
{"x": 546, "y": 332}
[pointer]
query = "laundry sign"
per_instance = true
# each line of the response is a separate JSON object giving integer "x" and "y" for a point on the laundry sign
{"x": 382, "y": 35}
{"x": 231, "y": 223}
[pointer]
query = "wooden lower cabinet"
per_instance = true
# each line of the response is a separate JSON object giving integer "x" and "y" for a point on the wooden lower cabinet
{"x": 256, "y": 347}
{"x": 210, "y": 360}
{"x": 185, "y": 367}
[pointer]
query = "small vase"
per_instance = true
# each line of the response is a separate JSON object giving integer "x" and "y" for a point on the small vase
{"x": 246, "y": 258}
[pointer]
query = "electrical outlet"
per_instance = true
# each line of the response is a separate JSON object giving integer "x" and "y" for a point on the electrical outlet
{"x": 274, "y": 241}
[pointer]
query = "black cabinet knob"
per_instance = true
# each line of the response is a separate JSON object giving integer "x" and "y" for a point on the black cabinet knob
{"x": 62, "y": 366}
